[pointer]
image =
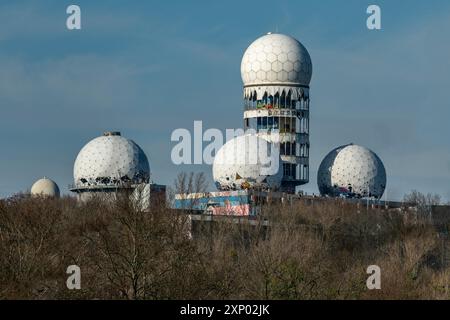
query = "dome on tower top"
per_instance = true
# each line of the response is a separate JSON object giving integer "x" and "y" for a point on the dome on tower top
{"x": 276, "y": 59}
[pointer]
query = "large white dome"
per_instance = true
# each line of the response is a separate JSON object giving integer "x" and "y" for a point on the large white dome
{"x": 247, "y": 162}
{"x": 276, "y": 59}
{"x": 45, "y": 187}
{"x": 110, "y": 160}
{"x": 352, "y": 169}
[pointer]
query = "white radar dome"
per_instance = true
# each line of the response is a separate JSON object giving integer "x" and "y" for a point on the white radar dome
{"x": 276, "y": 59}
{"x": 45, "y": 187}
{"x": 110, "y": 160}
{"x": 247, "y": 162}
{"x": 352, "y": 170}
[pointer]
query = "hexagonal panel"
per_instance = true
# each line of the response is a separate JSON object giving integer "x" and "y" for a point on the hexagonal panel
{"x": 276, "y": 43}
{"x": 277, "y": 50}
{"x": 266, "y": 66}
{"x": 293, "y": 56}
{"x": 261, "y": 75}
{"x": 292, "y": 76}
{"x": 282, "y": 57}
{"x": 271, "y": 57}
{"x": 288, "y": 66}
{"x": 277, "y": 66}
{"x": 282, "y": 76}
{"x": 261, "y": 57}
{"x": 256, "y": 65}
{"x": 271, "y": 75}
{"x": 248, "y": 67}
{"x": 268, "y": 48}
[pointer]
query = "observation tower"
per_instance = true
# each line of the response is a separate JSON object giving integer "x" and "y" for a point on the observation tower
{"x": 276, "y": 70}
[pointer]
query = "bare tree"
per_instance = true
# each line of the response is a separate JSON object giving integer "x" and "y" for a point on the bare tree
{"x": 189, "y": 187}
{"x": 423, "y": 202}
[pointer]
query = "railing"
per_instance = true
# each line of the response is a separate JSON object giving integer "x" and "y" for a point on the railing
{"x": 99, "y": 186}
{"x": 269, "y": 106}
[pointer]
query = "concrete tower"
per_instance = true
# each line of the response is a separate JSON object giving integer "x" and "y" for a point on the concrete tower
{"x": 276, "y": 70}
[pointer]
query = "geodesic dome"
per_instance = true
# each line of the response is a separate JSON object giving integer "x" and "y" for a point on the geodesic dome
{"x": 110, "y": 160}
{"x": 352, "y": 170}
{"x": 247, "y": 162}
{"x": 276, "y": 59}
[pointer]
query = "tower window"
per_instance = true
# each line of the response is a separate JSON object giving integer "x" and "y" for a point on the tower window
{"x": 287, "y": 149}
{"x": 283, "y": 149}
{"x": 289, "y": 170}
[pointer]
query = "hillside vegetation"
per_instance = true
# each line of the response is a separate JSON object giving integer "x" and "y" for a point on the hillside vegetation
{"x": 317, "y": 250}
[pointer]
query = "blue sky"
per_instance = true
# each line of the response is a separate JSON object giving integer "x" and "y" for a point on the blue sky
{"x": 146, "y": 68}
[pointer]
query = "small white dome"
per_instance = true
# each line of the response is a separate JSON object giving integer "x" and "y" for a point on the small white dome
{"x": 352, "y": 169}
{"x": 276, "y": 59}
{"x": 110, "y": 160}
{"x": 45, "y": 187}
{"x": 247, "y": 162}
